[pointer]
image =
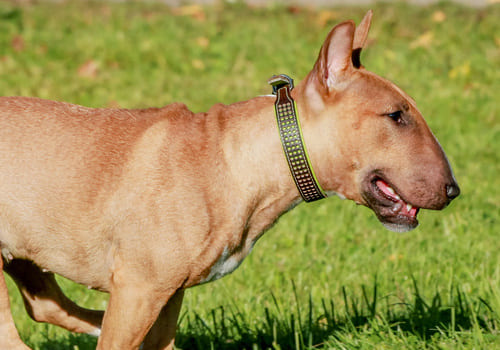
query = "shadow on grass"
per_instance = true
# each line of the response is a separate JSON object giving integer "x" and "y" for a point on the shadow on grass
{"x": 299, "y": 327}
{"x": 71, "y": 342}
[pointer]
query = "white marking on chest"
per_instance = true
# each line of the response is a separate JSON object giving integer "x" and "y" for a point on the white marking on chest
{"x": 331, "y": 194}
{"x": 226, "y": 264}
{"x": 95, "y": 333}
{"x": 7, "y": 254}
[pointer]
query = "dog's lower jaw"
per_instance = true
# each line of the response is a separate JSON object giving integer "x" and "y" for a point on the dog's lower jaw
{"x": 400, "y": 228}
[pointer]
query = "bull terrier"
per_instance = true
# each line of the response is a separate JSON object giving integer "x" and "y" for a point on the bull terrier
{"x": 143, "y": 204}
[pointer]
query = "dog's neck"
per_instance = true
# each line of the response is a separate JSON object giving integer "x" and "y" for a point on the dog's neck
{"x": 255, "y": 162}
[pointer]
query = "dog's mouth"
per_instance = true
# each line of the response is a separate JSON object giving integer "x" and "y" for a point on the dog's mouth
{"x": 394, "y": 212}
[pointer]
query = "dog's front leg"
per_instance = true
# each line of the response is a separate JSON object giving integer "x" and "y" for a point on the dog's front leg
{"x": 9, "y": 338}
{"x": 162, "y": 335}
{"x": 134, "y": 306}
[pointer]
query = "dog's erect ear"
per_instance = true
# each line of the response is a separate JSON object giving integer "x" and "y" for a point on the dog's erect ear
{"x": 334, "y": 59}
{"x": 360, "y": 38}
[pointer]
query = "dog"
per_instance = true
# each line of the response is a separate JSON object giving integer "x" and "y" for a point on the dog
{"x": 146, "y": 203}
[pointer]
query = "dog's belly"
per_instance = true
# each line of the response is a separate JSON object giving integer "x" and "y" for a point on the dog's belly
{"x": 83, "y": 262}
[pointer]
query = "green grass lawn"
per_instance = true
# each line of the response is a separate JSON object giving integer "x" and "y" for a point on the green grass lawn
{"x": 328, "y": 275}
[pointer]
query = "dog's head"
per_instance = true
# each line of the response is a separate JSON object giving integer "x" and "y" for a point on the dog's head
{"x": 367, "y": 140}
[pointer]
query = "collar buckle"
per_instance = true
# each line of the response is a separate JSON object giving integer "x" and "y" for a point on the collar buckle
{"x": 279, "y": 81}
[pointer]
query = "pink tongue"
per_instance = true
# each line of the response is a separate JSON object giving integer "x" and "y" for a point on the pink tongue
{"x": 387, "y": 190}
{"x": 390, "y": 192}
{"x": 413, "y": 211}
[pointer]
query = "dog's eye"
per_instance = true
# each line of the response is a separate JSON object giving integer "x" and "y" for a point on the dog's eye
{"x": 396, "y": 116}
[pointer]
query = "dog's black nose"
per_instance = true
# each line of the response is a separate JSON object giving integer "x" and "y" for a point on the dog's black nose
{"x": 452, "y": 191}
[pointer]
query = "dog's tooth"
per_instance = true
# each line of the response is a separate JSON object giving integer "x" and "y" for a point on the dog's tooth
{"x": 409, "y": 207}
{"x": 391, "y": 191}
{"x": 397, "y": 207}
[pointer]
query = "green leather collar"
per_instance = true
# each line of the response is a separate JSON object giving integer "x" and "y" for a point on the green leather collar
{"x": 292, "y": 140}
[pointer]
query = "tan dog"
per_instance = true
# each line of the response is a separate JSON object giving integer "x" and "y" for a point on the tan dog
{"x": 146, "y": 203}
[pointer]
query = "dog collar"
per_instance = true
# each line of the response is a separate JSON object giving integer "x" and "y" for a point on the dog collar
{"x": 292, "y": 140}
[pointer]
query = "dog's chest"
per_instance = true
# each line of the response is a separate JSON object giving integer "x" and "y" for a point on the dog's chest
{"x": 227, "y": 263}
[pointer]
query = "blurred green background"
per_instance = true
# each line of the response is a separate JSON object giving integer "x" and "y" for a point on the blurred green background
{"x": 328, "y": 275}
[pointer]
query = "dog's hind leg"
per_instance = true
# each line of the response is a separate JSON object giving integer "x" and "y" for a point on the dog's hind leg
{"x": 45, "y": 301}
{"x": 9, "y": 338}
{"x": 162, "y": 335}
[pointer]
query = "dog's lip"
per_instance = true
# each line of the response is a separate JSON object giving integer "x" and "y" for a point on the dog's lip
{"x": 391, "y": 208}
{"x": 388, "y": 192}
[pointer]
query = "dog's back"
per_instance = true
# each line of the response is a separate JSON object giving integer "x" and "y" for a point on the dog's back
{"x": 62, "y": 170}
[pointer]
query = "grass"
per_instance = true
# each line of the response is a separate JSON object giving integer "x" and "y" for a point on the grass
{"x": 328, "y": 275}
